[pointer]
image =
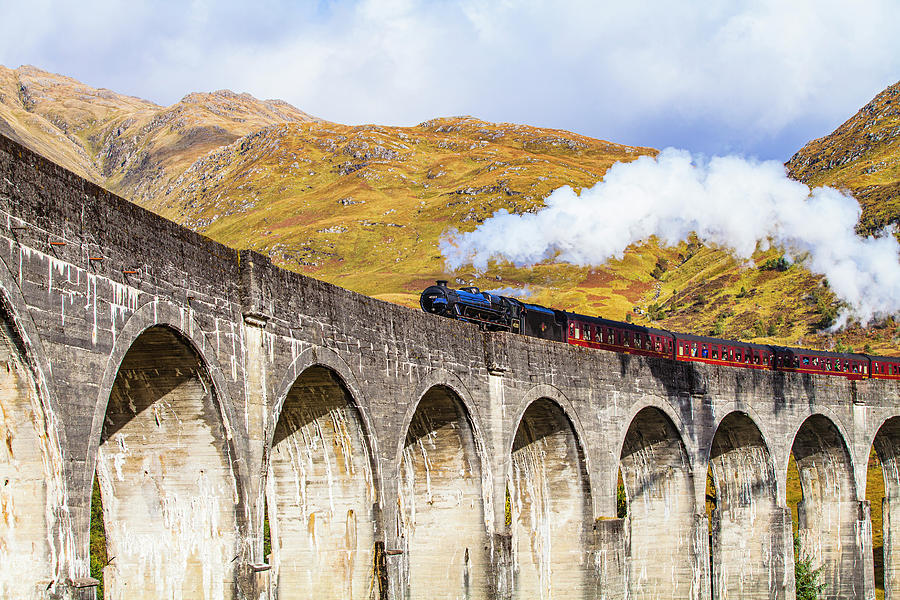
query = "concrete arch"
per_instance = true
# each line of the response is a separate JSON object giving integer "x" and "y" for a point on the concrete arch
{"x": 886, "y": 442}
{"x": 730, "y": 408}
{"x": 662, "y": 511}
{"x": 13, "y": 303}
{"x": 325, "y": 357}
{"x": 829, "y": 513}
{"x": 882, "y": 430}
{"x": 172, "y": 480}
{"x": 442, "y": 489}
{"x": 556, "y": 395}
{"x": 179, "y": 319}
{"x": 673, "y": 416}
{"x": 37, "y": 547}
{"x": 751, "y": 543}
{"x": 550, "y": 507}
{"x": 443, "y": 378}
{"x": 322, "y": 487}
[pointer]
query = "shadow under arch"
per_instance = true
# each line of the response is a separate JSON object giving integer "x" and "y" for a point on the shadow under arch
{"x": 36, "y": 534}
{"x": 828, "y": 514}
{"x": 549, "y": 505}
{"x": 170, "y": 474}
{"x": 322, "y": 486}
{"x": 886, "y": 444}
{"x": 658, "y": 480}
{"x": 670, "y": 414}
{"x": 441, "y": 378}
{"x": 544, "y": 391}
{"x": 750, "y": 542}
{"x": 441, "y": 482}
{"x": 331, "y": 360}
{"x": 180, "y": 321}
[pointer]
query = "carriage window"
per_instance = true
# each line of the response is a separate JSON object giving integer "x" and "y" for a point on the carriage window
{"x": 587, "y": 332}
{"x": 571, "y": 330}
{"x": 715, "y": 352}
{"x": 756, "y": 359}
{"x": 737, "y": 355}
{"x": 680, "y": 349}
{"x": 805, "y": 360}
{"x": 796, "y": 361}
{"x": 693, "y": 349}
{"x": 705, "y": 351}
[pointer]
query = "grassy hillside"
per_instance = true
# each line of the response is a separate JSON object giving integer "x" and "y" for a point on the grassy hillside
{"x": 861, "y": 156}
{"x": 365, "y": 206}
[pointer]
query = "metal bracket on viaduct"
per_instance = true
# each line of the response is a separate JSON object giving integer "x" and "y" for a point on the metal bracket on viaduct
{"x": 396, "y": 454}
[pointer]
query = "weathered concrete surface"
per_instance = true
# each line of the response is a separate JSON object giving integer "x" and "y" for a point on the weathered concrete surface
{"x": 321, "y": 488}
{"x": 398, "y": 455}
{"x": 550, "y": 507}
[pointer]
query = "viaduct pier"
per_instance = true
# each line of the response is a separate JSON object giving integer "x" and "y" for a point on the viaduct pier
{"x": 397, "y": 455}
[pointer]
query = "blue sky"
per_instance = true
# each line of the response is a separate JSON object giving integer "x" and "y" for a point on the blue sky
{"x": 715, "y": 77}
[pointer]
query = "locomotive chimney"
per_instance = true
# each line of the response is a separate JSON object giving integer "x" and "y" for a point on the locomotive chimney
{"x": 442, "y": 282}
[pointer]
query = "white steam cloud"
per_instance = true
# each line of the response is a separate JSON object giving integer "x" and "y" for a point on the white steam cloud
{"x": 728, "y": 201}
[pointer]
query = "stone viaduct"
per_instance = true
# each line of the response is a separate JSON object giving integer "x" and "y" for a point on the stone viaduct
{"x": 397, "y": 455}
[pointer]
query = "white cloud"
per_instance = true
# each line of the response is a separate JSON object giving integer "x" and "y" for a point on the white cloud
{"x": 760, "y": 77}
{"x": 727, "y": 201}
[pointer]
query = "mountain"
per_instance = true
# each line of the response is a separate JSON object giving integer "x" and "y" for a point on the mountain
{"x": 861, "y": 156}
{"x": 364, "y": 206}
{"x": 130, "y": 146}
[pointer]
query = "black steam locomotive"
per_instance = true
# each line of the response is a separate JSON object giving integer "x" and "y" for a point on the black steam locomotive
{"x": 499, "y": 313}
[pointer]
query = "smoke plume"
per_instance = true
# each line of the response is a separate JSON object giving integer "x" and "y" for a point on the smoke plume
{"x": 729, "y": 201}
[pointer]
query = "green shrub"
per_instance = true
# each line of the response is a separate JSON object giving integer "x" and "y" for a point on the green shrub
{"x": 808, "y": 581}
{"x": 98, "y": 538}
{"x": 779, "y": 264}
{"x": 719, "y": 327}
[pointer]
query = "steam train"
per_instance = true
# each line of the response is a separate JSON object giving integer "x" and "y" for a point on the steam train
{"x": 500, "y": 313}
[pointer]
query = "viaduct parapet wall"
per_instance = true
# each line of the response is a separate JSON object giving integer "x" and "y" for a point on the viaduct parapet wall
{"x": 393, "y": 454}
